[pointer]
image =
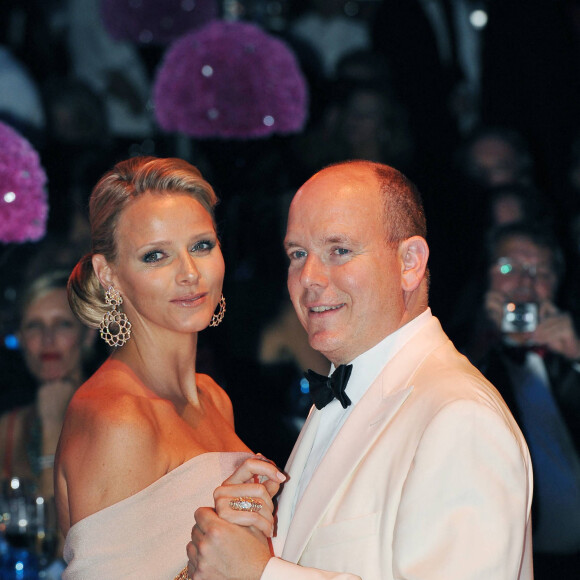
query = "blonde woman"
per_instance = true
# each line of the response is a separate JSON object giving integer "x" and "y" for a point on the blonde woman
{"x": 146, "y": 438}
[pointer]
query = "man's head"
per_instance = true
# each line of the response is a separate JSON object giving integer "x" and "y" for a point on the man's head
{"x": 526, "y": 263}
{"x": 358, "y": 257}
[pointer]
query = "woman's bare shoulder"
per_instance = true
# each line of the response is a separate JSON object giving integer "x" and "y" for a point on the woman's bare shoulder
{"x": 109, "y": 446}
{"x": 217, "y": 394}
{"x": 107, "y": 396}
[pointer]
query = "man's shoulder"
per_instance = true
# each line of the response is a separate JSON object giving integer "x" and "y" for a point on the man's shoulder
{"x": 446, "y": 376}
{"x": 437, "y": 373}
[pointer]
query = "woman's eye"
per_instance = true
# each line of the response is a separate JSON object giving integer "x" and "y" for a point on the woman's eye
{"x": 203, "y": 246}
{"x": 152, "y": 257}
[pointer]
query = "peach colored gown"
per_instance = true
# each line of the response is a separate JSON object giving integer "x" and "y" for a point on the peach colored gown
{"x": 145, "y": 535}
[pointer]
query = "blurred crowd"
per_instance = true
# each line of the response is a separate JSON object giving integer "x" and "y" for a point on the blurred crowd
{"x": 476, "y": 101}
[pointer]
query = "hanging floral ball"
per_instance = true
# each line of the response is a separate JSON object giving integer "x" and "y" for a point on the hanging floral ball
{"x": 155, "y": 21}
{"x": 23, "y": 198}
{"x": 230, "y": 80}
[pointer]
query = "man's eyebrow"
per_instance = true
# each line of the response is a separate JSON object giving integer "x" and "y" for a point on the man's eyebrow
{"x": 324, "y": 241}
{"x": 337, "y": 239}
{"x": 290, "y": 244}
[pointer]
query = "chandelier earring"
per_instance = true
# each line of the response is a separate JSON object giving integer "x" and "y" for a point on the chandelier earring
{"x": 115, "y": 326}
{"x": 219, "y": 315}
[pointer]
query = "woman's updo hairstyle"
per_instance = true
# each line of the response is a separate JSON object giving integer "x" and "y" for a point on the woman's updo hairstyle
{"x": 115, "y": 190}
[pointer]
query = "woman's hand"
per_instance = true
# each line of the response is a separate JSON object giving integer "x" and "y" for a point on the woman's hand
{"x": 256, "y": 478}
{"x": 258, "y": 469}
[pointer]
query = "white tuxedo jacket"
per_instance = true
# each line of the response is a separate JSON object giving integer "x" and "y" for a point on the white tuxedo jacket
{"x": 429, "y": 479}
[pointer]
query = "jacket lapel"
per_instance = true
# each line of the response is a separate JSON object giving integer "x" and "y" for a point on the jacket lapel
{"x": 366, "y": 423}
{"x": 349, "y": 447}
{"x": 294, "y": 468}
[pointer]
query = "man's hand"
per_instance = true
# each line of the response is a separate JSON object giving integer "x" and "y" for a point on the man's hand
{"x": 220, "y": 550}
{"x": 556, "y": 331}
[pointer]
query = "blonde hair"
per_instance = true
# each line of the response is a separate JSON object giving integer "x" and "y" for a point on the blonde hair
{"x": 127, "y": 181}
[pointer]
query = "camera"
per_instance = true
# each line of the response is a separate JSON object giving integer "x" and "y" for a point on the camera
{"x": 519, "y": 317}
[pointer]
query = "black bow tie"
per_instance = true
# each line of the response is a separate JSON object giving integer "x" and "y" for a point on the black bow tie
{"x": 323, "y": 389}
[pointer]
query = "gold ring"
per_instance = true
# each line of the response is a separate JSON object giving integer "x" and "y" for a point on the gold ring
{"x": 246, "y": 504}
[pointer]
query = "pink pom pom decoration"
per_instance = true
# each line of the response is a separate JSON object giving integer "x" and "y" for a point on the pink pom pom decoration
{"x": 155, "y": 21}
{"x": 23, "y": 199}
{"x": 230, "y": 80}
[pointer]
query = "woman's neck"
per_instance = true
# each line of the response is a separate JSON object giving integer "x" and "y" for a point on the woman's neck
{"x": 166, "y": 365}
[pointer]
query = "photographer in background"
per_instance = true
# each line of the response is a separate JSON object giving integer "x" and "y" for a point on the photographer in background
{"x": 530, "y": 350}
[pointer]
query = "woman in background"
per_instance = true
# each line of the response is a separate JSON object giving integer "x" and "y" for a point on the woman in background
{"x": 56, "y": 348}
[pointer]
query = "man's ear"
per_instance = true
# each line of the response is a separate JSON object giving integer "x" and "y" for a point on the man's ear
{"x": 414, "y": 254}
{"x": 104, "y": 272}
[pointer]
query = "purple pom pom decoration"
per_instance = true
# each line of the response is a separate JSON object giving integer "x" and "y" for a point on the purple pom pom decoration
{"x": 157, "y": 22}
{"x": 23, "y": 199}
{"x": 230, "y": 80}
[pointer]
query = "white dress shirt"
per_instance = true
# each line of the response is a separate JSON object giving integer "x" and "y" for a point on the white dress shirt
{"x": 365, "y": 369}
